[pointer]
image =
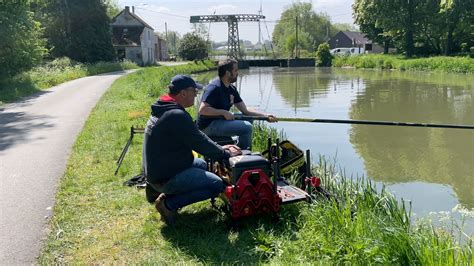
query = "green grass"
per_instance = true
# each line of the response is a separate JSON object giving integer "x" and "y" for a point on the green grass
{"x": 434, "y": 64}
{"x": 53, "y": 73}
{"x": 97, "y": 220}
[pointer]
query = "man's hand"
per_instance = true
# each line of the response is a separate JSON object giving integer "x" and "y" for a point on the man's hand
{"x": 272, "y": 119}
{"x": 233, "y": 150}
{"x": 228, "y": 115}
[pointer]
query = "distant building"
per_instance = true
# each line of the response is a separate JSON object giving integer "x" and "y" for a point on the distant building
{"x": 134, "y": 39}
{"x": 347, "y": 39}
{"x": 161, "y": 49}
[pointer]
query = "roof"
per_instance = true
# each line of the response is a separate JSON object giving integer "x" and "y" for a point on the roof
{"x": 357, "y": 37}
{"x": 133, "y": 15}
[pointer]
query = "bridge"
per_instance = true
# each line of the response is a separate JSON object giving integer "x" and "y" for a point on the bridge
{"x": 233, "y": 44}
{"x": 233, "y": 48}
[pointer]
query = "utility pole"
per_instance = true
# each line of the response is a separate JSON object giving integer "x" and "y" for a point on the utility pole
{"x": 166, "y": 32}
{"x": 259, "y": 30}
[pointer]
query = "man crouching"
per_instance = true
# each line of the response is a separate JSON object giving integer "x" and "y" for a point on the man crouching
{"x": 168, "y": 161}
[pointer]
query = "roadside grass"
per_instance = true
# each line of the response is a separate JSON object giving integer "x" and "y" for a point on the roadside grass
{"x": 53, "y": 73}
{"x": 434, "y": 64}
{"x": 97, "y": 220}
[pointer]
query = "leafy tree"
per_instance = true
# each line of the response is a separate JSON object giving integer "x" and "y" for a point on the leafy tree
{"x": 21, "y": 45}
{"x": 343, "y": 27}
{"x": 417, "y": 26}
{"x": 365, "y": 14}
{"x": 112, "y": 8}
{"x": 79, "y": 29}
{"x": 455, "y": 14}
{"x": 323, "y": 56}
{"x": 312, "y": 28}
{"x": 172, "y": 40}
{"x": 193, "y": 47}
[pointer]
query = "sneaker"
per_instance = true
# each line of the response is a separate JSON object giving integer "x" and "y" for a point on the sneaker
{"x": 167, "y": 216}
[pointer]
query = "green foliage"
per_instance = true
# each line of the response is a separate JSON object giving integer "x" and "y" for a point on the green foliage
{"x": 193, "y": 47}
{"x": 53, "y": 73}
{"x": 323, "y": 56}
{"x": 112, "y": 8}
{"x": 435, "y": 64}
{"x": 173, "y": 39}
{"x": 21, "y": 46}
{"x": 312, "y": 29}
{"x": 78, "y": 29}
{"x": 421, "y": 27}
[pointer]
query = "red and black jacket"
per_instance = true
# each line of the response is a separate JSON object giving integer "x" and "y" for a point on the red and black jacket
{"x": 170, "y": 137}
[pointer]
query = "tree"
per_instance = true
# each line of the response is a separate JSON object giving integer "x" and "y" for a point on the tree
{"x": 21, "y": 46}
{"x": 193, "y": 47}
{"x": 112, "y": 8}
{"x": 323, "y": 56}
{"x": 343, "y": 27}
{"x": 455, "y": 13}
{"x": 78, "y": 29}
{"x": 365, "y": 15}
{"x": 172, "y": 40}
{"x": 312, "y": 28}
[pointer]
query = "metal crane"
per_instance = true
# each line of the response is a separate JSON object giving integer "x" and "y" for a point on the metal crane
{"x": 233, "y": 46}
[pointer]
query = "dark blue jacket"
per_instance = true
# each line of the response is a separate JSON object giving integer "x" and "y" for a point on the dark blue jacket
{"x": 218, "y": 96}
{"x": 170, "y": 137}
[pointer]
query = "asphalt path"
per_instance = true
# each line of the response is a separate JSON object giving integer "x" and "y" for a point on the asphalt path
{"x": 36, "y": 137}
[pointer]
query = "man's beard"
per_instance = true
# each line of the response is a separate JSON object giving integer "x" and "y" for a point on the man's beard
{"x": 232, "y": 80}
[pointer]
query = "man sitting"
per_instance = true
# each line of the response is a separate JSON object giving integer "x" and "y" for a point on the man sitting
{"x": 168, "y": 161}
{"x": 216, "y": 102}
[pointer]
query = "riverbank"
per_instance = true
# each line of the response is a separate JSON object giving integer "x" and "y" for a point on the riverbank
{"x": 434, "y": 64}
{"x": 97, "y": 220}
{"x": 56, "y": 72}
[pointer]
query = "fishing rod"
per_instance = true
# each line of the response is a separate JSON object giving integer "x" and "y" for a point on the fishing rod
{"x": 360, "y": 122}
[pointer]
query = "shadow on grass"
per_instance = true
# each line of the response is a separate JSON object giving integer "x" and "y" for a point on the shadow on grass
{"x": 208, "y": 236}
{"x": 13, "y": 89}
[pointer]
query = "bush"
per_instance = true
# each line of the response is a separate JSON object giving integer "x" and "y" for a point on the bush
{"x": 436, "y": 64}
{"x": 193, "y": 47}
{"x": 323, "y": 56}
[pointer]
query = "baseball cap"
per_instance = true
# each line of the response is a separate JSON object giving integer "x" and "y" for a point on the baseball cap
{"x": 181, "y": 82}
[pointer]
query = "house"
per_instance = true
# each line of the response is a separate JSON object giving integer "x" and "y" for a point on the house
{"x": 347, "y": 39}
{"x": 133, "y": 38}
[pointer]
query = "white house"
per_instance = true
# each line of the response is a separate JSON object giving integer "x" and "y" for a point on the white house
{"x": 133, "y": 38}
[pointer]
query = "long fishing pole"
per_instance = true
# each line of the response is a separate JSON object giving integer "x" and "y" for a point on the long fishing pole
{"x": 360, "y": 122}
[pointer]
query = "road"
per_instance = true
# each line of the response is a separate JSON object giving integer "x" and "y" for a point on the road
{"x": 36, "y": 137}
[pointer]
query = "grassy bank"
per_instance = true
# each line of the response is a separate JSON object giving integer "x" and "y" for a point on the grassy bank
{"x": 99, "y": 221}
{"x": 51, "y": 74}
{"x": 435, "y": 64}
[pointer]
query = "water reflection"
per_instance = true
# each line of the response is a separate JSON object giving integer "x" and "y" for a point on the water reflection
{"x": 413, "y": 161}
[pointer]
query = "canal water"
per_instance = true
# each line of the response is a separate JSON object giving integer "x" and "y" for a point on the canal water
{"x": 431, "y": 167}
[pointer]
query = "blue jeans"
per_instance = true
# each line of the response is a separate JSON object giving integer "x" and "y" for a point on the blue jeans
{"x": 191, "y": 185}
{"x": 230, "y": 128}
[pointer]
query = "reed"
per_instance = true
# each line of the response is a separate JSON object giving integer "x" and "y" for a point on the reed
{"x": 431, "y": 64}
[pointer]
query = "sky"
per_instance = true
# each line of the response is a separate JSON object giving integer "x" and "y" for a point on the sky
{"x": 176, "y": 13}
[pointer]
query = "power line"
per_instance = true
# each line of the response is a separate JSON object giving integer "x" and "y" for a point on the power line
{"x": 163, "y": 13}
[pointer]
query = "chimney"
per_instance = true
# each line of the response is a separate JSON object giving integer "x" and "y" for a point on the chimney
{"x": 127, "y": 9}
{"x": 133, "y": 9}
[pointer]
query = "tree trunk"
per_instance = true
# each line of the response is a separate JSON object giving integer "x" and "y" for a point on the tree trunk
{"x": 386, "y": 45}
{"x": 409, "y": 30}
{"x": 449, "y": 42}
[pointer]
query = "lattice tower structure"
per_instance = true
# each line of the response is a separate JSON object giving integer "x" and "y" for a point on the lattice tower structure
{"x": 233, "y": 44}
